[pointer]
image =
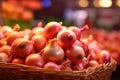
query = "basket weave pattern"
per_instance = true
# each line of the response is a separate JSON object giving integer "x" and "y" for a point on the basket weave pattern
{"x": 13, "y": 71}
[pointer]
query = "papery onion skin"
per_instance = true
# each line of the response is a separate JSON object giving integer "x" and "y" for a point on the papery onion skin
{"x": 92, "y": 63}
{"x": 103, "y": 56}
{"x": 66, "y": 38}
{"x": 53, "y": 52}
{"x": 6, "y": 29}
{"x": 13, "y": 36}
{"x": 34, "y": 60}
{"x": 52, "y": 65}
{"x": 4, "y": 57}
{"x": 39, "y": 42}
{"x": 6, "y": 49}
{"x": 77, "y": 67}
{"x": 22, "y": 47}
{"x": 65, "y": 65}
{"x": 1, "y": 35}
{"x": 75, "y": 54}
{"x": 18, "y": 61}
{"x": 51, "y": 29}
{"x": 78, "y": 31}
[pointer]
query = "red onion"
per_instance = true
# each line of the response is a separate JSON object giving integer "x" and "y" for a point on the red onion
{"x": 53, "y": 52}
{"x": 34, "y": 60}
{"x": 66, "y": 65}
{"x": 51, "y": 29}
{"x": 75, "y": 54}
{"x": 78, "y": 31}
{"x": 66, "y": 38}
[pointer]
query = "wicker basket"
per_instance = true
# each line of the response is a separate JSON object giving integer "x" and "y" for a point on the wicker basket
{"x": 10, "y": 71}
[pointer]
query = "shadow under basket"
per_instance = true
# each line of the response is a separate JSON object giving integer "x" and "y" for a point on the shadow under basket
{"x": 12, "y": 71}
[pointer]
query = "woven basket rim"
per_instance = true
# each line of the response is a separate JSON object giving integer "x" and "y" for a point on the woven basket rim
{"x": 21, "y": 72}
{"x": 35, "y": 68}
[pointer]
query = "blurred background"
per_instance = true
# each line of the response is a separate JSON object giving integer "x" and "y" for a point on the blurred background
{"x": 96, "y": 13}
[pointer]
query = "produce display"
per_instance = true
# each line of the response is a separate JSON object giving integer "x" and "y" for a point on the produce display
{"x": 108, "y": 40}
{"x": 52, "y": 46}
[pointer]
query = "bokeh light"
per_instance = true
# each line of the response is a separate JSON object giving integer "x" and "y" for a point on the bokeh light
{"x": 83, "y": 3}
{"x": 118, "y": 3}
{"x": 105, "y": 3}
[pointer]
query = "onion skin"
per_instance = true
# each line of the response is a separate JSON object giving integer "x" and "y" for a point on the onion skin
{"x": 92, "y": 55}
{"x": 116, "y": 56}
{"x": 13, "y": 36}
{"x": 51, "y": 29}
{"x": 22, "y": 47}
{"x": 85, "y": 62}
{"x": 75, "y": 54}
{"x": 34, "y": 60}
{"x": 27, "y": 33}
{"x": 18, "y": 61}
{"x": 38, "y": 29}
{"x": 65, "y": 65}
{"x": 103, "y": 56}
{"x": 92, "y": 63}
{"x": 66, "y": 38}
{"x": 53, "y": 52}
{"x": 3, "y": 42}
{"x": 4, "y": 57}
{"x": 52, "y": 65}
{"x": 78, "y": 31}
{"x": 77, "y": 67}
{"x": 1, "y": 35}
{"x": 6, "y": 29}
{"x": 39, "y": 42}
{"x": 78, "y": 43}
{"x": 6, "y": 49}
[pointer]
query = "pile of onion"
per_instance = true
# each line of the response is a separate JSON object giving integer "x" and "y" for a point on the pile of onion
{"x": 52, "y": 46}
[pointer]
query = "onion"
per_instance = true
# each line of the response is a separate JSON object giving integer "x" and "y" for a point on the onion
{"x": 6, "y": 49}
{"x": 66, "y": 65}
{"x": 75, "y": 54}
{"x": 1, "y": 35}
{"x": 85, "y": 46}
{"x": 92, "y": 55}
{"x": 51, "y": 65}
{"x": 27, "y": 33}
{"x": 92, "y": 63}
{"x": 38, "y": 29}
{"x": 103, "y": 56}
{"x": 85, "y": 62}
{"x": 78, "y": 43}
{"x": 78, "y": 31}
{"x": 39, "y": 42}
{"x": 87, "y": 50}
{"x": 116, "y": 56}
{"x": 77, "y": 67}
{"x": 3, "y": 42}
{"x": 51, "y": 29}
{"x": 34, "y": 60}
{"x": 53, "y": 52}
{"x": 91, "y": 44}
{"x": 6, "y": 29}
{"x": 22, "y": 47}
{"x": 13, "y": 35}
{"x": 94, "y": 46}
{"x": 4, "y": 57}
{"x": 18, "y": 61}
{"x": 66, "y": 38}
